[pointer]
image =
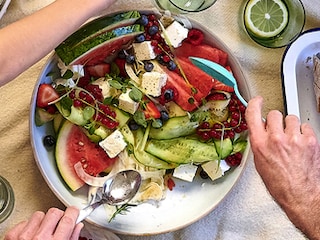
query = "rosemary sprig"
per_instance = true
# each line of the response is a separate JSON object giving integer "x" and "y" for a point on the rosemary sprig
{"x": 122, "y": 209}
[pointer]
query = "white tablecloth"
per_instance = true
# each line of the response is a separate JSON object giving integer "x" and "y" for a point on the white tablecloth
{"x": 248, "y": 212}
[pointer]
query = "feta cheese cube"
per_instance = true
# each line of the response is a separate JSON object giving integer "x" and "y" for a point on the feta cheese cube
{"x": 185, "y": 172}
{"x": 144, "y": 51}
{"x": 176, "y": 33}
{"x": 214, "y": 170}
{"x": 127, "y": 104}
{"x": 152, "y": 82}
{"x": 113, "y": 144}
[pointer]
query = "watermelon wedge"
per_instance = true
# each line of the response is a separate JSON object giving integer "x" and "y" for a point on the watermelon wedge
{"x": 99, "y": 26}
{"x": 95, "y": 50}
{"x": 74, "y": 146}
{"x": 202, "y": 51}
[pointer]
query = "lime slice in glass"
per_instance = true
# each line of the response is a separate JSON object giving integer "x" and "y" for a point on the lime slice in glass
{"x": 266, "y": 18}
{"x": 188, "y": 5}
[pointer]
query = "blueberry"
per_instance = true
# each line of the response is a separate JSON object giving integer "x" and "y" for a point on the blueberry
{"x": 203, "y": 174}
{"x": 171, "y": 65}
{"x": 140, "y": 38}
{"x": 168, "y": 94}
{"x": 148, "y": 66}
{"x": 153, "y": 30}
{"x": 130, "y": 59}
{"x": 164, "y": 115}
{"x": 160, "y": 59}
{"x": 133, "y": 125}
{"x": 143, "y": 20}
{"x": 49, "y": 141}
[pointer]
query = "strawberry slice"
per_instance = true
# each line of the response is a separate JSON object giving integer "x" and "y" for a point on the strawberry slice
{"x": 151, "y": 110}
{"x": 46, "y": 94}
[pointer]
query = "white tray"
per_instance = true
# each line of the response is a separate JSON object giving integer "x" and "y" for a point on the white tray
{"x": 297, "y": 77}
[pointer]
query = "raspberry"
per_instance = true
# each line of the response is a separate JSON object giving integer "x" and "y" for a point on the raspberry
{"x": 195, "y": 36}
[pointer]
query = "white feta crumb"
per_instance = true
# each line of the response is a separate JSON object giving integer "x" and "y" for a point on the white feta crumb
{"x": 143, "y": 51}
{"x": 185, "y": 172}
{"x": 113, "y": 144}
{"x": 152, "y": 82}
{"x": 176, "y": 33}
{"x": 127, "y": 104}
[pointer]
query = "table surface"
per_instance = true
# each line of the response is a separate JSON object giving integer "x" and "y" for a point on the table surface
{"x": 248, "y": 212}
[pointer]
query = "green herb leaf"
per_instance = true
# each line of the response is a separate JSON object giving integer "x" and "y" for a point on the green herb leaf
{"x": 115, "y": 84}
{"x": 66, "y": 103}
{"x": 68, "y": 74}
{"x": 135, "y": 94}
{"x": 140, "y": 119}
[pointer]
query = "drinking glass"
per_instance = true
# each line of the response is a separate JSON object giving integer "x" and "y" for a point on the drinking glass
{"x": 6, "y": 199}
{"x": 184, "y": 6}
{"x": 295, "y": 24}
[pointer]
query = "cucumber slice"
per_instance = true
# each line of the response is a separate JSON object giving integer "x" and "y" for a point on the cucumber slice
{"x": 146, "y": 158}
{"x": 224, "y": 147}
{"x": 174, "y": 127}
{"x": 182, "y": 150}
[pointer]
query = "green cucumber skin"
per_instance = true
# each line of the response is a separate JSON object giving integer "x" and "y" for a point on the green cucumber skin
{"x": 224, "y": 147}
{"x": 149, "y": 160}
{"x": 182, "y": 150}
{"x": 99, "y": 26}
{"x": 174, "y": 127}
{"x": 69, "y": 55}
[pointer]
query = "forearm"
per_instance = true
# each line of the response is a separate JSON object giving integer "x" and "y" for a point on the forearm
{"x": 26, "y": 41}
{"x": 304, "y": 212}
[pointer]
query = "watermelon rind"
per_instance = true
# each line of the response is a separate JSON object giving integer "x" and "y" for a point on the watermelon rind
{"x": 98, "y": 26}
{"x": 72, "y": 55}
{"x": 67, "y": 172}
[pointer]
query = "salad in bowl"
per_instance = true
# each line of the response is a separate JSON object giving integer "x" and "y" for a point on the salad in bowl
{"x": 121, "y": 93}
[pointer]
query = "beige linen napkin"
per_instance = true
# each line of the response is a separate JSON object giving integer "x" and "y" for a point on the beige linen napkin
{"x": 248, "y": 212}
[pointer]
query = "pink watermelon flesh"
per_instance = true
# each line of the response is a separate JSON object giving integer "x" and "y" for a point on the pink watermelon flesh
{"x": 197, "y": 78}
{"x": 74, "y": 146}
{"x": 184, "y": 91}
{"x": 99, "y": 53}
{"x": 202, "y": 51}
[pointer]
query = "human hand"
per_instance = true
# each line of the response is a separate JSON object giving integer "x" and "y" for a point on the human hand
{"x": 287, "y": 156}
{"x": 55, "y": 224}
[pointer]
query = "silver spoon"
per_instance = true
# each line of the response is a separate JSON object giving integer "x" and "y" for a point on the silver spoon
{"x": 117, "y": 190}
{"x": 220, "y": 73}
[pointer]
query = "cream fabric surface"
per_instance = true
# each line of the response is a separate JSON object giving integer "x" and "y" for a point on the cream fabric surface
{"x": 248, "y": 212}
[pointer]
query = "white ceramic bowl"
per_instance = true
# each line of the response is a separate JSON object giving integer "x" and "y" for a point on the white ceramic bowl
{"x": 187, "y": 203}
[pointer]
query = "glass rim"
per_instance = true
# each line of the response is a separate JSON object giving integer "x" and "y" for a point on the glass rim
{"x": 193, "y": 11}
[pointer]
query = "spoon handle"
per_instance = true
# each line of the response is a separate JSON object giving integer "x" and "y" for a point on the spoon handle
{"x": 85, "y": 212}
{"x": 236, "y": 91}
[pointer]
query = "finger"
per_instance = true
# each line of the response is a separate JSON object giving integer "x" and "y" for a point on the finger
{"x": 307, "y": 130}
{"x": 292, "y": 124}
{"x": 49, "y": 223}
{"x": 67, "y": 224}
{"x": 76, "y": 232}
{"x": 254, "y": 116}
{"x": 275, "y": 122}
{"x": 15, "y": 232}
{"x": 32, "y": 226}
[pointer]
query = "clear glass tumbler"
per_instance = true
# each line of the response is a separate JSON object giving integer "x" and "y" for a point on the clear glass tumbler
{"x": 6, "y": 199}
{"x": 184, "y": 6}
{"x": 294, "y": 15}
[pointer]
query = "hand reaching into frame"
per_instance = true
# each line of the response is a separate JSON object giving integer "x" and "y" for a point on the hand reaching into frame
{"x": 287, "y": 157}
{"x": 55, "y": 224}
